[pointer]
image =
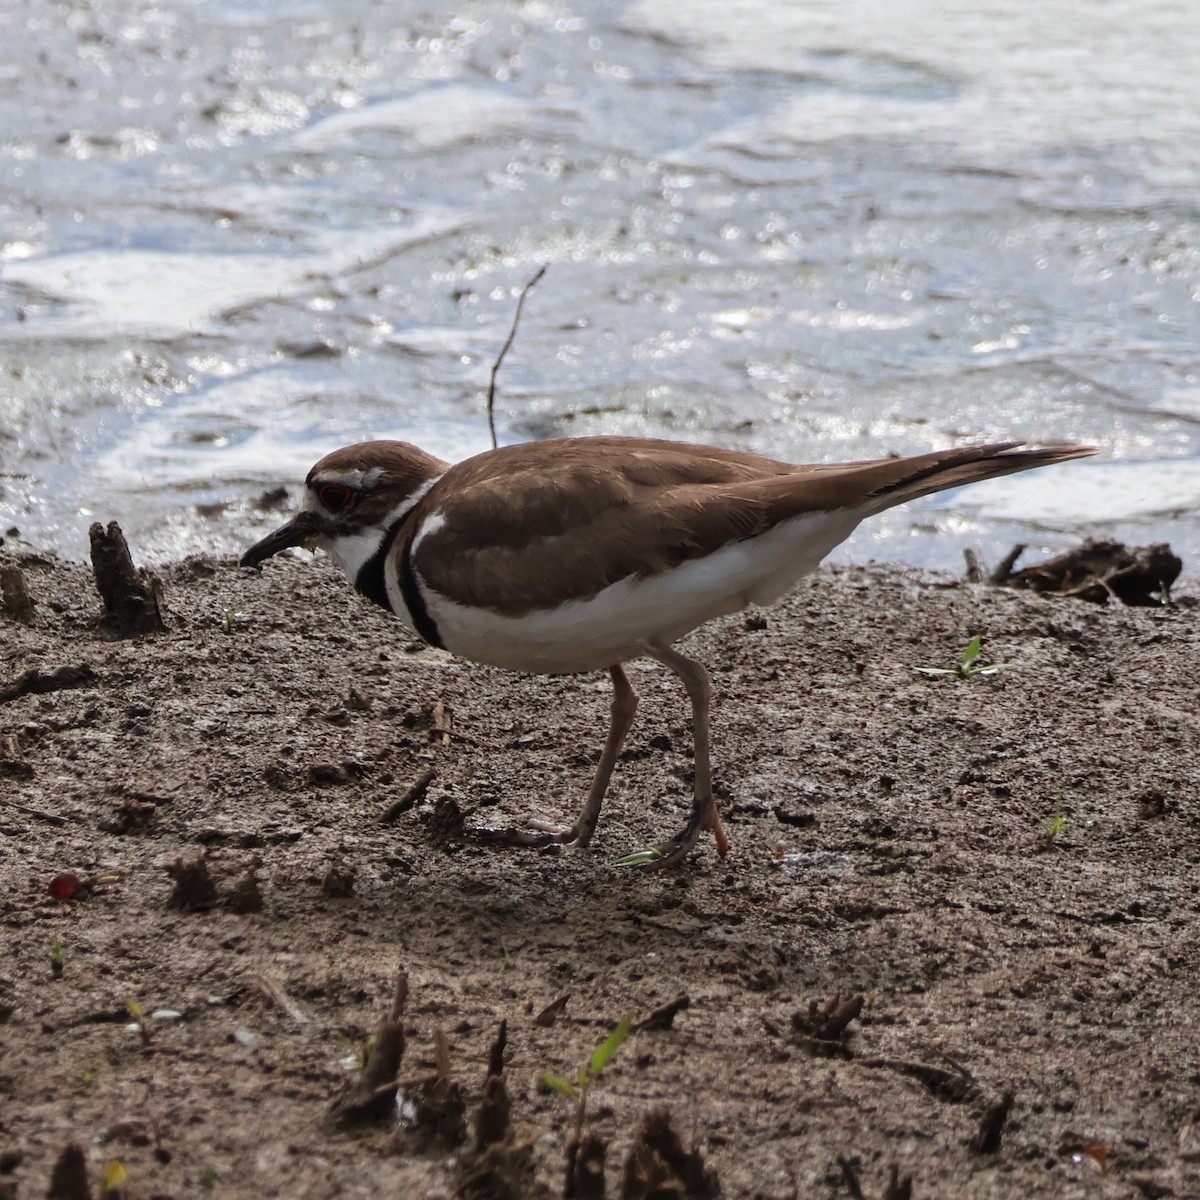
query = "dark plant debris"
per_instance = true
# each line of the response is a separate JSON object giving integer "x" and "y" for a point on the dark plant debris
{"x": 824, "y": 1026}
{"x": 659, "y": 1167}
{"x": 131, "y": 596}
{"x": 1100, "y": 570}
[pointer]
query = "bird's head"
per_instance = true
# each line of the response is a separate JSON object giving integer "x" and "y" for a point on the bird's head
{"x": 352, "y": 499}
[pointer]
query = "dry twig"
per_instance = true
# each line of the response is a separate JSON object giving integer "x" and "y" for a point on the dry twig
{"x": 512, "y": 333}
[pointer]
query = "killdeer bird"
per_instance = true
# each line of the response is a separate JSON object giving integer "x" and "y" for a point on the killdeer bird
{"x": 580, "y": 554}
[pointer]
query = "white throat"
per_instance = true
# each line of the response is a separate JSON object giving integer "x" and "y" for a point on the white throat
{"x": 352, "y": 551}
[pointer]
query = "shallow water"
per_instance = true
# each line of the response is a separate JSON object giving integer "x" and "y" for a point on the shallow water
{"x": 237, "y": 235}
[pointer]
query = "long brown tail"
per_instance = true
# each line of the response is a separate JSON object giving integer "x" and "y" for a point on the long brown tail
{"x": 901, "y": 480}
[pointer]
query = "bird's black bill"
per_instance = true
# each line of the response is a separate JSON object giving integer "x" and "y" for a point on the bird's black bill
{"x": 297, "y": 532}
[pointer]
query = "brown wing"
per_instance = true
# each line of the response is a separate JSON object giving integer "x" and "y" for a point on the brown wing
{"x": 550, "y": 521}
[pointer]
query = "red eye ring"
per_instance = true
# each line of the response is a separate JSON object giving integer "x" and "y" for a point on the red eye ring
{"x": 335, "y": 496}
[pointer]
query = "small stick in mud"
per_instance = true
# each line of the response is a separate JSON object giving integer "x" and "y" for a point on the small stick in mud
{"x": 412, "y": 796}
{"x": 493, "y": 1125}
{"x": 496, "y": 1052}
{"x": 954, "y": 1086}
{"x": 497, "y": 1167}
{"x": 272, "y": 989}
{"x": 663, "y": 1017}
{"x": 373, "y": 1096}
{"x": 991, "y": 1126}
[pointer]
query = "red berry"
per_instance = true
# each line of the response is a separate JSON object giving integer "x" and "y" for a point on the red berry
{"x": 66, "y": 886}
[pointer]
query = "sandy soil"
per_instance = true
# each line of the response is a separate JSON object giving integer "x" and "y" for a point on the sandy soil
{"x": 890, "y": 839}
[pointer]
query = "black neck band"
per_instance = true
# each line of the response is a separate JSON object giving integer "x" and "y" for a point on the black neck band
{"x": 372, "y": 583}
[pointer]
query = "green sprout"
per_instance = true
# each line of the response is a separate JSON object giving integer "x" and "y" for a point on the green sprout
{"x": 968, "y": 666}
{"x": 588, "y": 1074}
{"x": 140, "y": 1023}
{"x": 58, "y": 957}
{"x": 229, "y": 618}
{"x": 1058, "y": 824}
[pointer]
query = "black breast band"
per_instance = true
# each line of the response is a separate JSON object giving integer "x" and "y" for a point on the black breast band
{"x": 372, "y": 583}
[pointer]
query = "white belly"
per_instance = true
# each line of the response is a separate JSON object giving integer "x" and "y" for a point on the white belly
{"x": 588, "y": 635}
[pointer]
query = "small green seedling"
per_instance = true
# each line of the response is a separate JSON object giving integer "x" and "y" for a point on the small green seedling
{"x": 968, "y": 666}
{"x": 1056, "y": 826}
{"x": 58, "y": 957}
{"x": 588, "y": 1074}
{"x": 140, "y": 1023}
{"x": 229, "y": 618}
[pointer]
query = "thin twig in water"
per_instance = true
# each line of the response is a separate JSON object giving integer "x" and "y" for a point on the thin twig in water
{"x": 512, "y": 333}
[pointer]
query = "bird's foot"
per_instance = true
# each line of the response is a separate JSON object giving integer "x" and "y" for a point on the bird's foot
{"x": 676, "y": 849}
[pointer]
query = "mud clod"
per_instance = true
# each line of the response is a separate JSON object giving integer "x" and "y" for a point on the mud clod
{"x": 658, "y": 1167}
{"x": 131, "y": 596}
{"x": 551, "y": 1012}
{"x": 15, "y": 601}
{"x": 498, "y": 1166}
{"x": 194, "y": 888}
{"x": 585, "y": 1169}
{"x": 37, "y": 682}
{"x": 492, "y": 1123}
{"x": 338, "y": 883}
{"x": 246, "y": 896}
{"x": 446, "y": 823}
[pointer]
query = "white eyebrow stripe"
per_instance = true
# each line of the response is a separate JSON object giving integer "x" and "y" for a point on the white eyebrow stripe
{"x": 356, "y": 478}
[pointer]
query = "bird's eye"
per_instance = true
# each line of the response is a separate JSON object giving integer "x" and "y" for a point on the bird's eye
{"x": 335, "y": 496}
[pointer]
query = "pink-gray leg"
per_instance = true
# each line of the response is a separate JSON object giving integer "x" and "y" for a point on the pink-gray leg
{"x": 538, "y": 833}
{"x": 704, "y": 813}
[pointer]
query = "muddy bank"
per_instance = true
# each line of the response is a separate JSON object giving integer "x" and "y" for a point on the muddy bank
{"x": 1003, "y": 867}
